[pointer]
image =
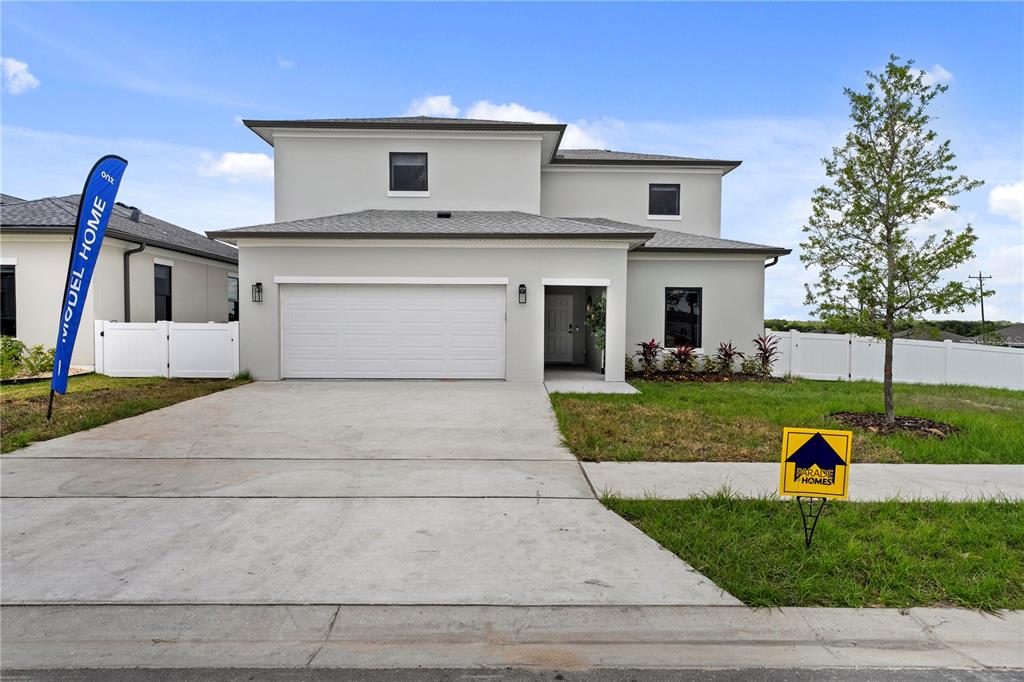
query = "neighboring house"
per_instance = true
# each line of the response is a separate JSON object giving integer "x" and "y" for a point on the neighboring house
{"x": 166, "y": 272}
{"x": 1013, "y": 336}
{"x": 425, "y": 247}
{"x": 919, "y": 334}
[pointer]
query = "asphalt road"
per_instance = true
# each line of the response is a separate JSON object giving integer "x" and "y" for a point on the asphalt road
{"x": 497, "y": 675}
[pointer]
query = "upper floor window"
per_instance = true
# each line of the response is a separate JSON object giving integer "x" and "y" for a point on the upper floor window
{"x": 663, "y": 201}
{"x": 162, "y": 292}
{"x": 408, "y": 172}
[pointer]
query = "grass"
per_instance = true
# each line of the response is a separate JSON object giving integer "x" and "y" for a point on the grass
{"x": 885, "y": 554}
{"x": 92, "y": 400}
{"x": 742, "y": 421}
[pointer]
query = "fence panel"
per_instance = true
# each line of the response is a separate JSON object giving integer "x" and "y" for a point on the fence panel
{"x": 170, "y": 349}
{"x": 203, "y": 350}
{"x": 840, "y": 356}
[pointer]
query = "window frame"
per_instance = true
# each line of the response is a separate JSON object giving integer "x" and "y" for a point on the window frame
{"x": 392, "y": 192}
{"x": 233, "y": 314}
{"x": 169, "y": 296}
{"x": 700, "y": 316}
{"x": 10, "y": 270}
{"x": 678, "y": 215}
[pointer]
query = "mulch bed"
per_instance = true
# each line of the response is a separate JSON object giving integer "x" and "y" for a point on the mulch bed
{"x": 704, "y": 377}
{"x": 875, "y": 423}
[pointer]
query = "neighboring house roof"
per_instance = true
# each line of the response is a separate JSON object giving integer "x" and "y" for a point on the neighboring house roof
{"x": 608, "y": 157}
{"x": 1014, "y": 334}
{"x": 376, "y": 223}
{"x": 7, "y": 199}
{"x": 673, "y": 241}
{"x": 923, "y": 335}
{"x": 57, "y": 214}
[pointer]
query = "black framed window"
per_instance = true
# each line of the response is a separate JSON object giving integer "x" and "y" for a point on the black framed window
{"x": 8, "y": 302}
{"x": 663, "y": 199}
{"x": 162, "y": 292}
{"x": 408, "y": 172}
{"x": 683, "y": 308}
{"x": 232, "y": 298}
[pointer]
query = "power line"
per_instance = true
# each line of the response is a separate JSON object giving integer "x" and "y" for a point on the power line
{"x": 981, "y": 295}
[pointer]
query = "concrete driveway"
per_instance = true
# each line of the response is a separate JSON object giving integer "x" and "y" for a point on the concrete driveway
{"x": 327, "y": 493}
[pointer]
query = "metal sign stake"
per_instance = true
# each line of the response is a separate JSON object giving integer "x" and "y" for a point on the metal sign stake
{"x": 813, "y": 513}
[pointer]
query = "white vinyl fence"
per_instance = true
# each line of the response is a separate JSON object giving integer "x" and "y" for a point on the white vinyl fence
{"x": 168, "y": 349}
{"x": 849, "y": 358}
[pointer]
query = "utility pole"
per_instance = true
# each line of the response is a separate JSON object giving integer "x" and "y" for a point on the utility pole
{"x": 981, "y": 295}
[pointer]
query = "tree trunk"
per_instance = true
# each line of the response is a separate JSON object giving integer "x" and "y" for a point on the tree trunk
{"x": 890, "y": 410}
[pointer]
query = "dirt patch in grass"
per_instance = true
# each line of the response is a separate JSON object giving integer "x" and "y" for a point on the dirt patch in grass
{"x": 91, "y": 401}
{"x": 875, "y": 423}
{"x": 884, "y": 554}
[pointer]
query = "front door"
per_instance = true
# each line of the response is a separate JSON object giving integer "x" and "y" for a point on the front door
{"x": 558, "y": 328}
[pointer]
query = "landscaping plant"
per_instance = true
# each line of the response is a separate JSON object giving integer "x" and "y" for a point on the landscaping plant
{"x": 726, "y": 356}
{"x": 766, "y": 353}
{"x": 11, "y": 352}
{"x": 684, "y": 358}
{"x": 648, "y": 354}
{"x": 889, "y": 177}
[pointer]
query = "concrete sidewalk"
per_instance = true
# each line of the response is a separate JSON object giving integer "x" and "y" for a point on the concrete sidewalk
{"x": 868, "y": 482}
{"x": 562, "y": 638}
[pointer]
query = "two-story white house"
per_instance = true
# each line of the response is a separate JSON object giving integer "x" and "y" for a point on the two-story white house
{"x": 420, "y": 247}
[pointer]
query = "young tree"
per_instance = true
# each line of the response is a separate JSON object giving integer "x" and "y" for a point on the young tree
{"x": 889, "y": 175}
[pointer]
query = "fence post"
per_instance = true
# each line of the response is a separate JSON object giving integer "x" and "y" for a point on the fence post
{"x": 850, "y": 339}
{"x": 948, "y": 355}
{"x": 165, "y": 329}
{"x": 794, "y": 352}
{"x": 98, "y": 363}
{"x": 233, "y": 331}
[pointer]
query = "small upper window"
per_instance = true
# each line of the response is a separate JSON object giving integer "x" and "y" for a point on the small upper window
{"x": 162, "y": 292}
{"x": 663, "y": 200}
{"x": 408, "y": 172}
{"x": 232, "y": 298}
{"x": 8, "y": 302}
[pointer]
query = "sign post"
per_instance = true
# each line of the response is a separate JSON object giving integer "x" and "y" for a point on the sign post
{"x": 94, "y": 209}
{"x": 815, "y": 467}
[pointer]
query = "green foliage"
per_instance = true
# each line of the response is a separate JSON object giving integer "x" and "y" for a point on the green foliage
{"x": 38, "y": 360}
{"x": 897, "y": 554}
{"x": 630, "y": 365}
{"x": 596, "y": 321}
{"x": 648, "y": 355}
{"x": 11, "y": 352}
{"x": 244, "y": 375}
{"x": 968, "y": 328}
{"x": 726, "y": 356}
{"x": 890, "y": 174}
{"x": 750, "y": 365}
{"x": 766, "y": 353}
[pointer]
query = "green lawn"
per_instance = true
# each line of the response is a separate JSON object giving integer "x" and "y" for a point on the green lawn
{"x": 742, "y": 421}
{"x": 91, "y": 400}
{"x": 894, "y": 554}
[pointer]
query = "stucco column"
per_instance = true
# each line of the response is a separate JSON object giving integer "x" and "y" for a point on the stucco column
{"x": 615, "y": 328}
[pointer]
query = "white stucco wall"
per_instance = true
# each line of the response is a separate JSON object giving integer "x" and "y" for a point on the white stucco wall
{"x": 733, "y": 296}
{"x": 332, "y": 172}
{"x": 523, "y": 262}
{"x": 622, "y": 194}
{"x": 199, "y": 288}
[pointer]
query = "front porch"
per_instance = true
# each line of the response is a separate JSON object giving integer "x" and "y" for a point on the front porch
{"x": 570, "y": 379}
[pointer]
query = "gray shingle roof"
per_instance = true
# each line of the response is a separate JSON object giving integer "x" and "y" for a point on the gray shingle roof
{"x": 57, "y": 214}
{"x": 427, "y": 224}
{"x": 6, "y": 199}
{"x": 671, "y": 240}
{"x": 607, "y": 156}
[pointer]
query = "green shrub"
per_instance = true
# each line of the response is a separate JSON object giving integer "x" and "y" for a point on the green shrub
{"x": 38, "y": 360}
{"x": 11, "y": 353}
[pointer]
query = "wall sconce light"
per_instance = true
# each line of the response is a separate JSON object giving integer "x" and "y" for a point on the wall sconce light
{"x": 257, "y": 292}
{"x": 522, "y": 293}
{"x": 590, "y": 304}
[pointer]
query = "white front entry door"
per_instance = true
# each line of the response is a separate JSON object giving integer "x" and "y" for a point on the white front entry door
{"x": 392, "y": 331}
{"x": 558, "y": 327}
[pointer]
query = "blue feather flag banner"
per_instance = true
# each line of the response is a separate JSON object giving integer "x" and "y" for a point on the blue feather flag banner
{"x": 94, "y": 209}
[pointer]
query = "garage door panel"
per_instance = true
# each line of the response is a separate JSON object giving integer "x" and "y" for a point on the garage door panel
{"x": 371, "y": 331}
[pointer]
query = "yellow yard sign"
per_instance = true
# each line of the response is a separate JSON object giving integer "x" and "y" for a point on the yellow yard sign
{"x": 815, "y": 463}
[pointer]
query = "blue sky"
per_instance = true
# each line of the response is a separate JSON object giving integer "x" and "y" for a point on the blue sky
{"x": 166, "y": 84}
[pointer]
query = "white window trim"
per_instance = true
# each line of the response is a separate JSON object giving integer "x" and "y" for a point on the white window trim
{"x": 401, "y": 194}
{"x": 8, "y": 261}
{"x": 304, "y": 279}
{"x": 163, "y": 261}
{"x": 665, "y": 217}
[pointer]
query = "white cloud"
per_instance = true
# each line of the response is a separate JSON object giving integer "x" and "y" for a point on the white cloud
{"x": 433, "y": 105}
{"x": 578, "y": 135}
{"x": 936, "y": 74}
{"x": 1007, "y": 200}
{"x": 238, "y": 166}
{"x": 283, "y": 63}
{"x": 17, "y": 77}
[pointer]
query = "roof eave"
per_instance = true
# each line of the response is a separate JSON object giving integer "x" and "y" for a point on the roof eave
{"x": 694, "y": 249}
{"x": 728, "y": 166}
{"x": 230, "y": 235}
{"x": 123, "y": 236}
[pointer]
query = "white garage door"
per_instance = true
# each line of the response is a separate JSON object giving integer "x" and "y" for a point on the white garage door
{"x": 393, "y": 331}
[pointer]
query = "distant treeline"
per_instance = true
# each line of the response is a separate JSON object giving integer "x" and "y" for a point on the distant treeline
{"x": 961, "y": 327}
